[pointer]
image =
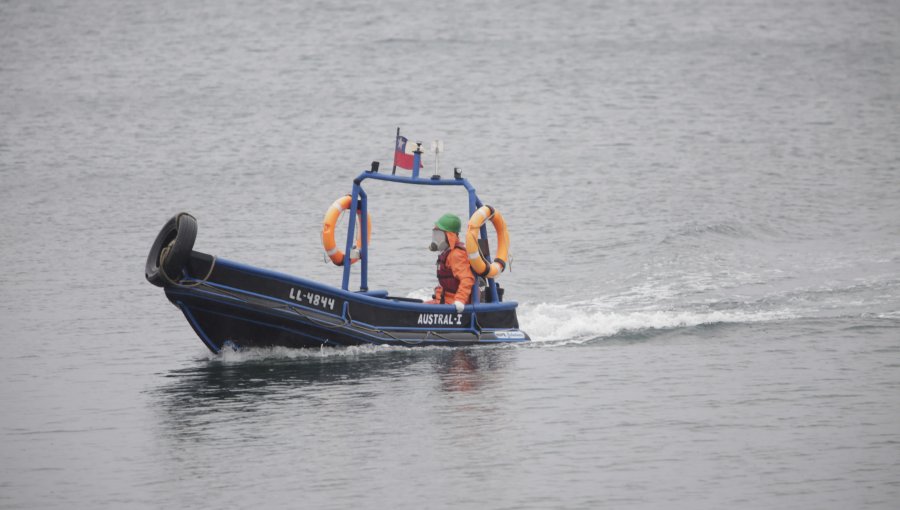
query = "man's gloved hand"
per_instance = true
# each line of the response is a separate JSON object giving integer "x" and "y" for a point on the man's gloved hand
{"x": 459, "y": 306}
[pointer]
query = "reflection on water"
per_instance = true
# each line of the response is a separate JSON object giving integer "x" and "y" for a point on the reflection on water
{"x": 461, "y": 374}
{"x": 237, "y": 376}
{"x": 468, "y": 370}
{"x": 245, "y": 376}
{"x": 258, "y": 385}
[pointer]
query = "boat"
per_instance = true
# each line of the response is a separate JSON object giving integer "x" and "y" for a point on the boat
{"x": 233, "y": 305}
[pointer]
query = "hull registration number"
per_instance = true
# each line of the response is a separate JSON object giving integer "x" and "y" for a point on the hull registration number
{"x": 312, "y": 299}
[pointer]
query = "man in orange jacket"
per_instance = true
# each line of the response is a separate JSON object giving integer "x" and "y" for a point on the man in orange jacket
{"x": 453, "y": 272}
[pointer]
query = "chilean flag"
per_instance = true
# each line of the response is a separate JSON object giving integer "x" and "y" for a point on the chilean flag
{"x": 402, "y": 158}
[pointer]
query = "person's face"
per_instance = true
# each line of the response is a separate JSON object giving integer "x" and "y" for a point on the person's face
{"x": 438, "y": 240}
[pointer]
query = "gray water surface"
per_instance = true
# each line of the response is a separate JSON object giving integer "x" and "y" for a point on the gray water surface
{"x": 703, "y": 204}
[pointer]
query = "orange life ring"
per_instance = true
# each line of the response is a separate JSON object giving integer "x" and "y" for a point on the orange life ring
{"x": 479, "y": 263}
{"x": 328, "y": 225}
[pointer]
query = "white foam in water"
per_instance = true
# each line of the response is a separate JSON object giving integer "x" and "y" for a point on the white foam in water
{"x": 230, "y": 355}
{"x": 579, "y": 322}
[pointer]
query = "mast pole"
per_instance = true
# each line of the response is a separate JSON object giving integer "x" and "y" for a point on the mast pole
{"x": 394, "y": 171}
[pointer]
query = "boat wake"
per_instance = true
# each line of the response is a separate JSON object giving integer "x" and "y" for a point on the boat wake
{"x": 577, "y": 323}
{"x": 671, "y": 304}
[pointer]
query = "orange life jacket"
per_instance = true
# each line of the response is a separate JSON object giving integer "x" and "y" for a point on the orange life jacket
{"x": 444, "y": 273}
{"x": 454, "y": 273}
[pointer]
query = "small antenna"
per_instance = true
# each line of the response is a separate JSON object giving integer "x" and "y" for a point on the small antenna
{"x": 437, "y": 147}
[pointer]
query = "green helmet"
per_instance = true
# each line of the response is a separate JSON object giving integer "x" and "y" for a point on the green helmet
{"x": 448, "y": 223}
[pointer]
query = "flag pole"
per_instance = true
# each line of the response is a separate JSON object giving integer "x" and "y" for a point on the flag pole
{"x": 394, "y": 171}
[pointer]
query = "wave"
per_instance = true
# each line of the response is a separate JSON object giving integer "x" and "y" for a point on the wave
{"x": 582, "y": 322}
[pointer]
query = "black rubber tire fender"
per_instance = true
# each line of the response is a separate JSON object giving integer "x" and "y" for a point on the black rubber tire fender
{"x": 171, "y": 250}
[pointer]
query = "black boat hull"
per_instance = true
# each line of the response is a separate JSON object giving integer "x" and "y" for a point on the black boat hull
{"x": 230, "y": 304}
